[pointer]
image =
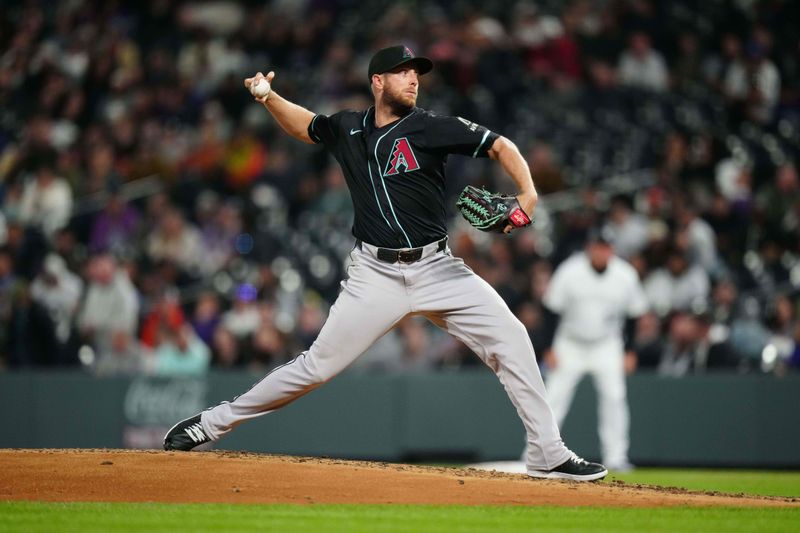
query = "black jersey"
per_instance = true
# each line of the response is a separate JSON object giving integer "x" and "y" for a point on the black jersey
{"x": 396, "y": 173}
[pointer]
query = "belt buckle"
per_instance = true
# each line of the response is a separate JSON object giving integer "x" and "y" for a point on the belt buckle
{"x": 409, "y": 256}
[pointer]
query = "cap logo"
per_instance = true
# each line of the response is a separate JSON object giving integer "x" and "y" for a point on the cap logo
{"x": 407, "y": 53}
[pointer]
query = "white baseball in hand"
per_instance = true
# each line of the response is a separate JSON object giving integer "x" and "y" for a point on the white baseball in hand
{"x": 261, "y": 88}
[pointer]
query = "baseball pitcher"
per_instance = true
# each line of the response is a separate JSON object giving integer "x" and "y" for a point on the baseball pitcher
{"x": 393, "y": 156}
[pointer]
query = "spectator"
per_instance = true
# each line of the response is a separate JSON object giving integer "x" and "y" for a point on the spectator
{"x": 227, "y": 351}
{"x": 334, "y": 202}
{"x": 267, "y": 347}
{"x": 176, "y": 241}
{"x": 627, "y": 230}
{"x": 206, "y": 317}
{"x": 181, "y": 353}
{"x": 101, "y": 172}
{"x": 772, "y": 271}
{"x": 779, "y": 203}
{"x": 753, "y": 85}
{"x": 108, "y": 318}
{"x": 28, "y": 246}
{"x": 417, "y": 353}
{"x": 688, "y": 68}
{"x": 679, "y": 286}
{"x": 749, "y": 335}
{"x": 565, "y": 57}
{"x": 729, "y": 228}
{"x": 31, "y": 333}
{"x": 700, "y": 241}
{"x": 117, "y": 226}
{"x": 59, "y": 291}
{"x": 531, "y": 30}
{"x": 46, "y": 201}
{"x": 725, "y": 302}
{"x": 719, "y": 63}
{"x": 531, "y": 316}
{"x": 641, "y": 66}
{"x": 782, "y": 321}
{"x": 243, "y": 319}
{"x": 690, "y": 349}
{"x": 165, "y": 314}
{"x": 309, "y": 322}
{"x": 219, "y": 231}
{"x": 648, "y": 342}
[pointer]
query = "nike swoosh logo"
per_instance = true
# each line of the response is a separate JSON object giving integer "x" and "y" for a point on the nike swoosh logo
{"x": 353, "y": 132}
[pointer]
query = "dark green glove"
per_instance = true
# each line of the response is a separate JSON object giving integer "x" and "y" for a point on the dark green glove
{"x": 489, "y": 211}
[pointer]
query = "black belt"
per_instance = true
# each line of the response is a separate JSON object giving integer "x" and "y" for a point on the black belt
{"x": 388, "y": 255}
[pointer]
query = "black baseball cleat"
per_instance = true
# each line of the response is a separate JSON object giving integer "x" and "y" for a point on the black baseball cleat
{"x": 574, "y": 468}
{"x": 185, "y": 435}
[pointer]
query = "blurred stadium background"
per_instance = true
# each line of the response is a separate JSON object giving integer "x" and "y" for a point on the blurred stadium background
{"x": 157, "y": 227}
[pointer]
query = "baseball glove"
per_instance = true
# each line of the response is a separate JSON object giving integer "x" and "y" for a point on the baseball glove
{"x": 491, "y": 212}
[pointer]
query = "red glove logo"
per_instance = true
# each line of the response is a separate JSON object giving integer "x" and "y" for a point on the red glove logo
{"x": 518, "y": 218}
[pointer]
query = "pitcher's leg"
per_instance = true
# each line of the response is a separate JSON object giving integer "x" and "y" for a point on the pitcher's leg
{"x": 563, "y": 379}
{"x": 467, "y": 307}
{"x": 369, "y": 305}
{"x": 613, "y": 414}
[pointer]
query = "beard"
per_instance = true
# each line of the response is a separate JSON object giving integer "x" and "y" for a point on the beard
{"x": 399, "y": 102}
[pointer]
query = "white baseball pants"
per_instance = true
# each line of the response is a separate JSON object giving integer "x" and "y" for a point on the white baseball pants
{"x": 604, "y": 360}
{"x": 374, "y": 298}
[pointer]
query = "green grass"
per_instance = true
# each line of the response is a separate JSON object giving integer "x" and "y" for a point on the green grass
{"x": 765, "y": 483}
{"x": 103, "y": 517}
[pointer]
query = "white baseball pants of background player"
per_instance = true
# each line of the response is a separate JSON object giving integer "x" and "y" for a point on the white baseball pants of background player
{"x": 604, "y": 361}
{"x": 375, "y": 296}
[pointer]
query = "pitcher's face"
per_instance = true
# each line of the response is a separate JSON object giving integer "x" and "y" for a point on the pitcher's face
{"x": 401, "y": 87}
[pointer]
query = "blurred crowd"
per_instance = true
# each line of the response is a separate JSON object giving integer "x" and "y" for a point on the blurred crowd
{"x": 156, "y": 221}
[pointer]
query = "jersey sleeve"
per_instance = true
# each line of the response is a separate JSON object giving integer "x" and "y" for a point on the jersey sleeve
{"x": 455, "y": 135}
{"x": 325, "y": 129}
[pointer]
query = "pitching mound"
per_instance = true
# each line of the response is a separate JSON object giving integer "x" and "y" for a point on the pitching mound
{"x": 232, "y": 477}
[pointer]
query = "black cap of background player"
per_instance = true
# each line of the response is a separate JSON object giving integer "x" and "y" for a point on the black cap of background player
{"x": 388, "y": 58}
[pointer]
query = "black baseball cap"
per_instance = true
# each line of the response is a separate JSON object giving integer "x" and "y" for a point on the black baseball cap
{"x": 388, "y": 58}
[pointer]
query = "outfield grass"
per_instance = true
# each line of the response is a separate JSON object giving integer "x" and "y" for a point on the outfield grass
{"x": 103, "y": 517}
{"x": 765, "y": 483}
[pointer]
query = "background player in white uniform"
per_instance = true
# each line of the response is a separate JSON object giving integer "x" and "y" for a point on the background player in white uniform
{"x": 595, "y": 297}
{"x": 393, "y": 156}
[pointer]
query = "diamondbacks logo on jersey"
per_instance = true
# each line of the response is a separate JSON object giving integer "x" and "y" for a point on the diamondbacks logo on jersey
{"x": 402, "y": 156}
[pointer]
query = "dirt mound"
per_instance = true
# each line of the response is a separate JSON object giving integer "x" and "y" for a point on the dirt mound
{"x": 232, "y": 477}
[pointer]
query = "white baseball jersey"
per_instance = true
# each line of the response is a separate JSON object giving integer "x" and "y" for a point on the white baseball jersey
{"x": 594, "y": 305}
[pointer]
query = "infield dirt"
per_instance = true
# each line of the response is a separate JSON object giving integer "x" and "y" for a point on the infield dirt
{"x": 234, "y": 477}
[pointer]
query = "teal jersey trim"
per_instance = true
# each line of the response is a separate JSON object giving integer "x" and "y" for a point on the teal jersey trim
{"x": 478, "y": 149}
{"x": 386, "y": 191}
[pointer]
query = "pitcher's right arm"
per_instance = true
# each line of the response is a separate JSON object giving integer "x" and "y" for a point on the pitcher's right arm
{"x": 294, "y": 119}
